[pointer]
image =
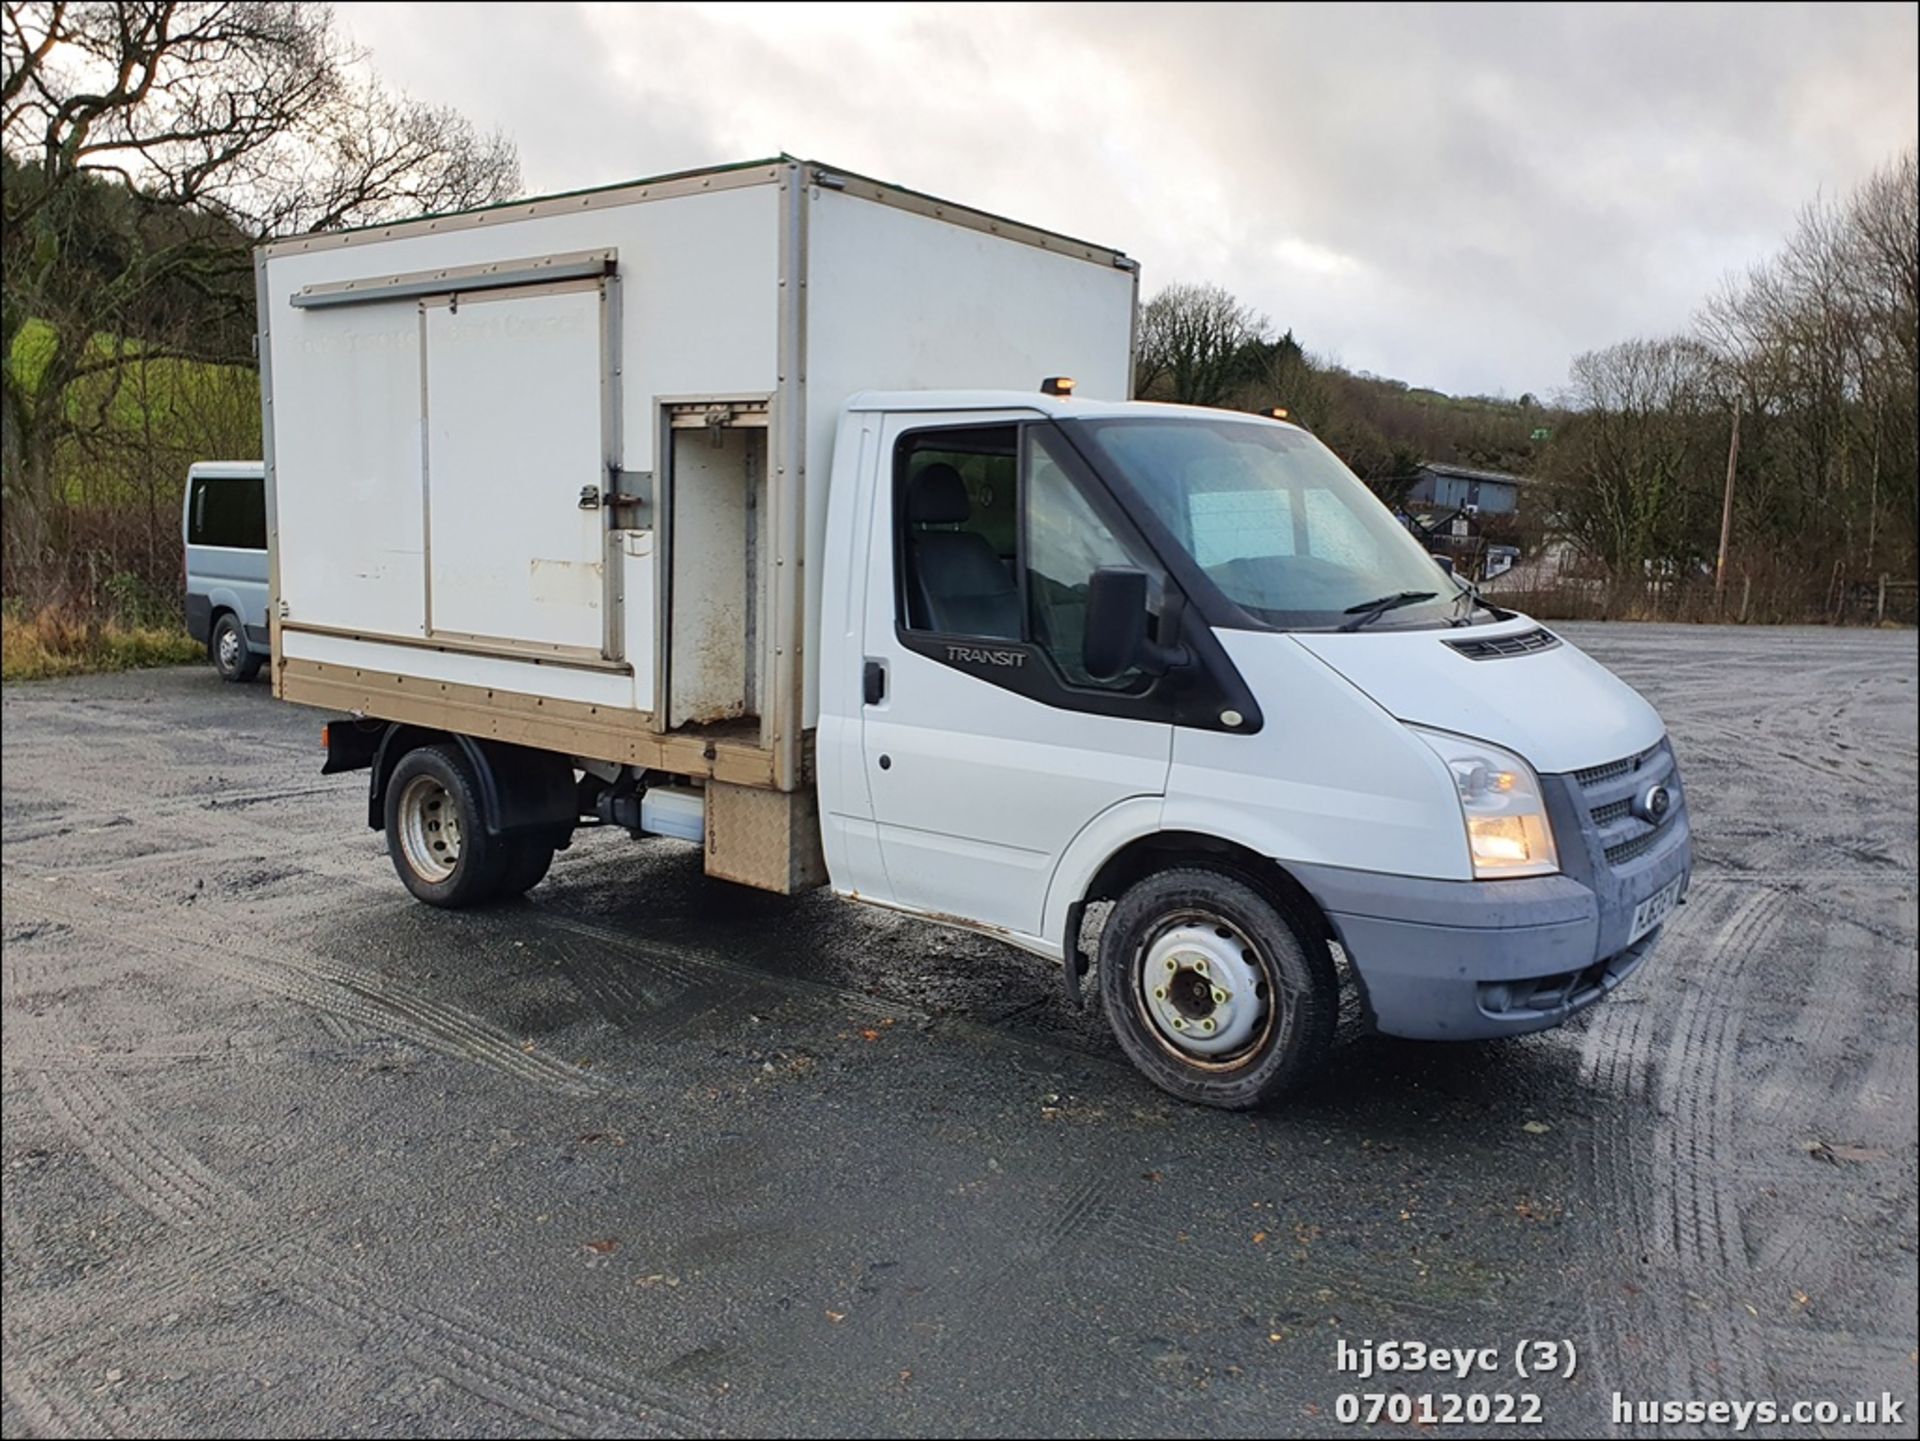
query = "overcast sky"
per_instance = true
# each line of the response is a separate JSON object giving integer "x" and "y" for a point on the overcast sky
{"x": 1460, "y": 197}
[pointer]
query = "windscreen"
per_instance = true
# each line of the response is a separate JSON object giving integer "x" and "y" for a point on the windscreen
{"x": 1274, "y": 519}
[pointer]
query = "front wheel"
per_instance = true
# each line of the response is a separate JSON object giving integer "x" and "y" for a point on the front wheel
{"x": 1213, "y": 991}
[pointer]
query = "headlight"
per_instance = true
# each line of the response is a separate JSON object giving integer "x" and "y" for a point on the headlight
{"x": 1507, "y": 829}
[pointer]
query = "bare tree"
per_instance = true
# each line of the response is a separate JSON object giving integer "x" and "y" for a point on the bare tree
{"x": 1193, "y": 344}
{"x": 1884, "y": 219}
{"x": 147, "y": 146}
{"x": 1631, "y": 475}
{"x": 1821, "y": 340}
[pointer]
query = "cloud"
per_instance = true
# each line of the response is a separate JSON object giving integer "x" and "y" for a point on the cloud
{"x": 1464, "y": 197}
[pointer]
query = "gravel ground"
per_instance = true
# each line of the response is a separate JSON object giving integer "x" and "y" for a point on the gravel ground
{"x": 285, "y": 1152}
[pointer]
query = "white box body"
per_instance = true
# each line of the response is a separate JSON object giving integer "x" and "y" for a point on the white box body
{"x": 441, "y": 395}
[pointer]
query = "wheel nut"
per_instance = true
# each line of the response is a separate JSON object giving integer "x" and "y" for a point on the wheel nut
{"x": 1179, "y": 1025}
{"x": 1206, "y": 1025}
{"x": 1172, "y": 965}
{"x": 1219, "y": 996}
{"x": 1159, "y": 993}
{"x": 1200, "y": 966}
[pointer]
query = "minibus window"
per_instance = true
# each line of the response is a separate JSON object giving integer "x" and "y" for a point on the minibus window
{"x": 228, "y": 513}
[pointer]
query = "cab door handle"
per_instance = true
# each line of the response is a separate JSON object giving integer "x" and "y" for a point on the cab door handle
{"x": 873, "y": 682}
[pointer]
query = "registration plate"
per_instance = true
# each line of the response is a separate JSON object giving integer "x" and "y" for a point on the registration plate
{"x": 1656, "y": 908}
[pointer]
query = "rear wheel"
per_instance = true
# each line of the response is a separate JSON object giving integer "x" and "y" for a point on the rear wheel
{"x": 436, "y": 831}
{"x": 228, "y": 648}
{"x": 1214, "y": 992}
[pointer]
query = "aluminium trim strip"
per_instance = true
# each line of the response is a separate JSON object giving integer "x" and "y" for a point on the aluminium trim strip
{"x": 898, "y": 197}
{"x": 733, "y": 177}
{"x": 453, "y": 279}
{"x": 460, "y": 643}
{"x": 264, "y": 342}
{"x": 783, "y": 708}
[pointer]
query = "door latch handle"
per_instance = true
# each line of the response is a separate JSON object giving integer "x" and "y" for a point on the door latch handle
{"x": 873, "y": 682}
{"x": 589, "y": 497}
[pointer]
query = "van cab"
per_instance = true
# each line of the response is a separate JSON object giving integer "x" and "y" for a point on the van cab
{"x": 1184, "y": 661}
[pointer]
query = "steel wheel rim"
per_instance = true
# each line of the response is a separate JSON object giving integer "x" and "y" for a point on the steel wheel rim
{"x": 229, "y": 648}
{"x": 429, "y": 824}
{"x": 1203, "y": 992}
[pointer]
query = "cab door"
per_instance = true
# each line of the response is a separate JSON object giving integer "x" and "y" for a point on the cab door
{"x": 987, "y": 746}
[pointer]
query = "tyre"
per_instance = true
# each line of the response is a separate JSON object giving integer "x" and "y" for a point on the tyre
{"x": 1213, "y": 991}
{"x": 436, "y": 830}
{"x": 232, "y": 657}
{"x": 528, "y": 858}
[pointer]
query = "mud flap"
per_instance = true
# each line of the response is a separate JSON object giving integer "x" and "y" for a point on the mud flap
{"x": 1074, "y": 962}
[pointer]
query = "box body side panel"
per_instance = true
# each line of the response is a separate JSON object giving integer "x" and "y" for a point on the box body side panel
{"x": 899, "y": 299}
{"x": 698, "y": 315}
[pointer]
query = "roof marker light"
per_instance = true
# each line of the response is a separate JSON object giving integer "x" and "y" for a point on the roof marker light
{"x": 1060, "y": 385}
{"x": 1278, "y": 412}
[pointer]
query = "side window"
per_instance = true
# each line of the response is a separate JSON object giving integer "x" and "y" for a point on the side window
{"x": 956, "y": 495}
{"x": 1066, "y": 543}
{"x": 231, "y": 513}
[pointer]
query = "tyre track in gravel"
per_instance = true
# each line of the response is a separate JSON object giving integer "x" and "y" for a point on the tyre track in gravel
{"x": 332, "y": 856}
{"x": 1688, "y": 1157}
{"x": 538, "y": 1381}
{"x": 1807, "y": 1246}
{"x": 711, "y": 982}
{"x": 45, "y": 1391}
{"x": 1790, "y": 732}
{"x": 355, "y": 996}
{"x": 71, "y": 822}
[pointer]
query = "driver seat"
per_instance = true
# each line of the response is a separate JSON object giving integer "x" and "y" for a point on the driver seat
{"x": 956, "y": 585}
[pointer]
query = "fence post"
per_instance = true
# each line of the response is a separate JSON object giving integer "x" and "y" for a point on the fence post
{"x": 1880, "y": 612}
{"x": 1746, "y": 594}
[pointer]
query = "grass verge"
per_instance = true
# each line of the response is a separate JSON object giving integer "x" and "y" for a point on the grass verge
{"x": 55, "y": 643}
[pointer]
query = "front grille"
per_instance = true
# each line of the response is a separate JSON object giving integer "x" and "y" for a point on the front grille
{"x": 1609, "y": 794}
{"x": 1496, "y": 647}
{"x": 1613, "y": 770}
{"x": 1619, "y": 855}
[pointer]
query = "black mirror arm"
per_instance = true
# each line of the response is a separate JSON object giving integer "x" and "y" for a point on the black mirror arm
{"x": 1156, "y": 659}
{"x": 1166, "y": 652}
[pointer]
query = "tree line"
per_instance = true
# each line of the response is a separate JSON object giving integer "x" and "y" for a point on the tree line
{"x": 1200, "y": 345}
{"x": 1814, "y": 347}
{"x": 149, "y": 146}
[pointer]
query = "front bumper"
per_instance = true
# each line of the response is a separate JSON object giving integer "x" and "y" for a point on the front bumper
{"x": 1469, "y": 960}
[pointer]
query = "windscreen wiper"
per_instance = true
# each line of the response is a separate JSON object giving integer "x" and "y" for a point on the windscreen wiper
{"x": 1369, "y": 611}
{"x": 1472, "y": 593}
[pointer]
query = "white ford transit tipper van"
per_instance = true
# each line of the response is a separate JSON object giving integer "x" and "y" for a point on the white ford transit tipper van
{"x": 701, "y": 508}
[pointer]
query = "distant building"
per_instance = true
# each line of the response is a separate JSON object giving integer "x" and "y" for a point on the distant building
{"x": 1442, "y": 488}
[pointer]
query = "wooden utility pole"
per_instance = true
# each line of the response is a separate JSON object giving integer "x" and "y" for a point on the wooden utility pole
{"x": 1726, "y": 507}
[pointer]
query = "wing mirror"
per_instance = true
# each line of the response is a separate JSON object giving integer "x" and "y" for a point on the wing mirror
{"x": 1116, "y": 639}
